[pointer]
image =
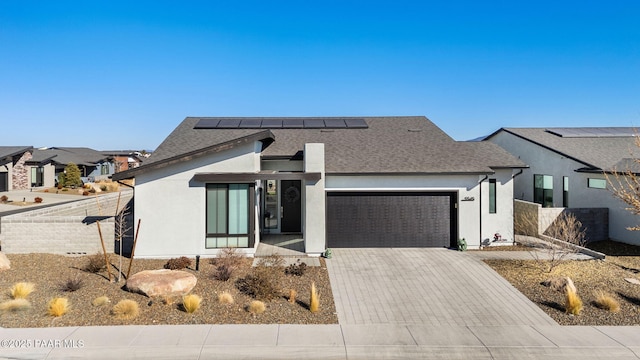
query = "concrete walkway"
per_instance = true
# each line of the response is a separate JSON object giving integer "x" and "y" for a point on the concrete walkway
{"x": 446, "y": 305}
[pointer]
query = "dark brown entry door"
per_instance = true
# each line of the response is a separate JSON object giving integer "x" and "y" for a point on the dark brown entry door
{"x": 291, "y": 206}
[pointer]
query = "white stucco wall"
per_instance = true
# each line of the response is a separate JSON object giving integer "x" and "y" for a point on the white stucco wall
{"x": 547, "y": 162}
{"x": 466, "y": 186}
{"x": 172, "y": 207}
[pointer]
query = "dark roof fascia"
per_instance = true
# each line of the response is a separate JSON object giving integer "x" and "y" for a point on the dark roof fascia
{"x": 251, "y": 177}
{"x": 549, "y": 148}
{"x": 411, "y": 173}
{"x": 264, "y": 136}
{"x": 42, "y": 162}
{"x": 510, "y": 167}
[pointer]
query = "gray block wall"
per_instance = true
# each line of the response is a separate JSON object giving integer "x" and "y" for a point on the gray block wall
{"x": 64, "y": 229}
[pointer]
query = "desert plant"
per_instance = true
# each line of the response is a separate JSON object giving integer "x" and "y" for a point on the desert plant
{"x": 262, "y": 283}
{"x": 191, "y": 303}
{"x": 178, "y": 263}
{"x": 292, "y": 296}
{"x": 72, "y": 284}
{"x": 225, "y": 298}
{"x": 103, "y": 187}
{"x": 21, "y": 290}
{"x": 4, "y": 198}
{"x": 573, "y": 304}
{"x": 126, "y": 309}
{"x": 95, "y": 263}
{"x": 101, "y": 300}
{"x": 15, "y": 305}
{"x": 58, "y": 306}
{"x": 606, "y": 302}
{"x": 314, "y": 301}
{"x": 92, "y": 191}
{"x": 257, "y": 307}
{"x": 223, "y": 272}
{"x": 37, "y": 200}
{"x": 85, "y": 193}
{"x": 297, "y": 269}
{"x": 229, "y": 257}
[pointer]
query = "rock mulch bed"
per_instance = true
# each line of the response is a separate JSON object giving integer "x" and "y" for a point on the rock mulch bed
{"x": 49, "y": 273}
{"x": 590, "y": 277}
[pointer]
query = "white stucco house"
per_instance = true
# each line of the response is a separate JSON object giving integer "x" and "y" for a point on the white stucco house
{"x": 338, "y": 182}
{"x": 567, "y": 168}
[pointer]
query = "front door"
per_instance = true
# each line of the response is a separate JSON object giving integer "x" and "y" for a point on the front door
{"x": 290, "y": 206}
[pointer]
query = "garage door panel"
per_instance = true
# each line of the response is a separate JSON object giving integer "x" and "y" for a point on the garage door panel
{"x": 369, "y": 219}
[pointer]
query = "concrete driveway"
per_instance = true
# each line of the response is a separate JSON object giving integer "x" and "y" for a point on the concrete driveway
{"x": 425, "y": 286}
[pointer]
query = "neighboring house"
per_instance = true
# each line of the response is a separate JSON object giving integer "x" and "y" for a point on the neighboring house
{"x": 14, "y": 175}
{"x": 47, "y": 163}
{"x": 339, "y": 182}
{"x": 567, "y": 168}
{"x": 124, "y": 159}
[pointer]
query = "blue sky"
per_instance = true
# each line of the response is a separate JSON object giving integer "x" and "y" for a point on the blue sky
{"x": 123, "y": 74}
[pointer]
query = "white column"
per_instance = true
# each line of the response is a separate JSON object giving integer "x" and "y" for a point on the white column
{"x": 314, "y": 206}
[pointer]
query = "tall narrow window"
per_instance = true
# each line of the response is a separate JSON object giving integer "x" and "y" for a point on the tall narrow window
{"x": 492, "y": 196}
{"x": 543, "y": 190}
{"x": 228, "y": 215}
{"x": 565, "y": 191}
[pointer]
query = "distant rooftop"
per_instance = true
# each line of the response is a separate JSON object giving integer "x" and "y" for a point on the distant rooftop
{"x": 592, "y": 132}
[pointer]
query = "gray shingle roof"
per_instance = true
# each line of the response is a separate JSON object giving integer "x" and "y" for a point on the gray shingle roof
{"x": 601, "y": 152}
{"x": 66, "y": 155}
{"x": 407, "y": 144}
{"x": 6, "y": 151}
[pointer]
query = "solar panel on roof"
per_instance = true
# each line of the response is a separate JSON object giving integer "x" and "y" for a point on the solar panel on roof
{"x": 293, "y": 123}
{"x": 286, "y": 123}
{"x": 250, "y": 123}
{"x": 591, "y": 132}
{"x": 207, "y": 124}
{"x": 356, "y": 123}
{"x": 314, "y": 123}
{"x": 335, "y": 123}
{"x": 229, "y": 123}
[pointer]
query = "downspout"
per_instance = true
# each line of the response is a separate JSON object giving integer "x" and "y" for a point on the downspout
{"x": 480, "y": 205}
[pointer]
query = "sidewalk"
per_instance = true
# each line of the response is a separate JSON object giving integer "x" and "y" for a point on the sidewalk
{"x": 322, "y": 342}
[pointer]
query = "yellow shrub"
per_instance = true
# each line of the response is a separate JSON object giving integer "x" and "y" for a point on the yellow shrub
{"x": 314, "y": 302}
{"x": 574, "y": 304}
{"x": 21, "y": 290}
{"x": 225, "y": 298}
{"x": 126, "y": 309}
{"x": 58, "y": 306}
{"x": 191, "y": 303}
{"x": 15, "y": 305}
{"x": 257, "y": 307}
{"x": 607, "y": 302}
{"x": 99, "y": 301}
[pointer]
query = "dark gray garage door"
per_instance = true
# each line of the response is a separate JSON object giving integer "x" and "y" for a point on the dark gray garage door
{"x": 391, "y": 219}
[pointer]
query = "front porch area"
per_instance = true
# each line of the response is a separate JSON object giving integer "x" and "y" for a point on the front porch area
{"x": 289, "y": 246}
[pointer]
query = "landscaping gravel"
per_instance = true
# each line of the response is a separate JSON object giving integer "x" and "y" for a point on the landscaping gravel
{"x": 589, "y": 276}
{"x": 50, "y": 272}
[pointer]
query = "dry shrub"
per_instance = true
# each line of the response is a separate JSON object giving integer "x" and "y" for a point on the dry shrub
{"x": 168, "y": 299}
{"x": 72, "y": 284}
{"x": 573, "y": 304}
{"x": 125, "y": 309}
{"x": 96, "y": 263}
{"x": 4, "y": 198}
{"x": 606, "y": 302}
{"x": 37, "y": 200}
{"x": 297, "y": 269}
{"x": 223, "y": 272}
{"x": 58, "y": 306}
{"x": 257, "y": 307}
{"x": 191, "y": 303}
{"x": 113, "y": 186}
{"x": 178, "y": 263}
{"x": 21, "y": 290}
{"x": 15, "y": 305}
{"x": 100, "y": 301}
{"x": 292, "y": 296}
{"x": 229, "y": 257}
{"x": 225, "y": 298}
{"x": 314, "y": 302}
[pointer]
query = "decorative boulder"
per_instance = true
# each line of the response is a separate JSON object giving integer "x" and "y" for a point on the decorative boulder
{"x": 161, "y": 282}
{"x": 5, "y": 264}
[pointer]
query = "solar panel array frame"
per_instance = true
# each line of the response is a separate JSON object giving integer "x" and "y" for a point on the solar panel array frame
{"x": 281, "y": 123}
